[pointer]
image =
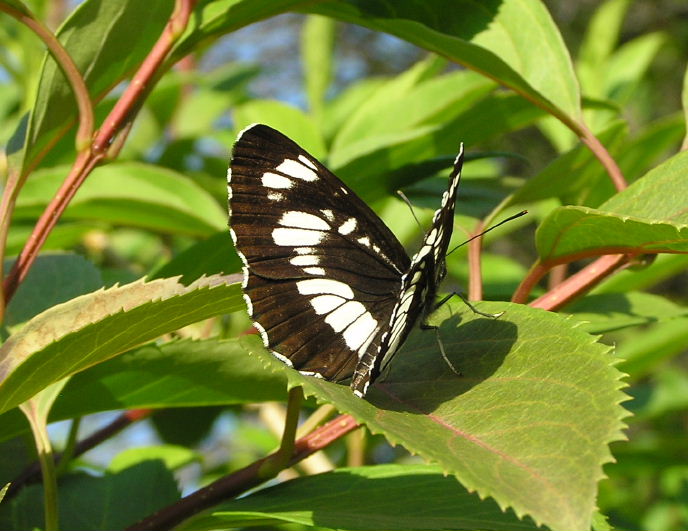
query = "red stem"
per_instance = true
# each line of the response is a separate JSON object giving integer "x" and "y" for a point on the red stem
{"x": 579, "y": 283}
{"x": 242, "y": 480}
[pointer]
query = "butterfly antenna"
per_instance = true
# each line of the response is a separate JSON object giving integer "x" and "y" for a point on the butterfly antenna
{"x": 521, "y": 213}
{"x": 408, "y": 203}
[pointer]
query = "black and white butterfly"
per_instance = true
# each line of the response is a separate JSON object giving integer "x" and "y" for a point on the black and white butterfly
{"x": 327, "y": 284}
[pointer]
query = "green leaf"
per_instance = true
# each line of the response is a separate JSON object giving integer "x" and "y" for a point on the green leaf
{"x": 534, "y": 410}
{"x": 214, "y": 255}
{"x": 285, "y": 118}
{"x": 170, "y": 375}
{"x": 653, "y": 347}
{"x": 598, "y": 43}
{"x": 486, "y": 37}
{"x": 92, "y": 35}
{"x": 613, "y": 311}
{"x": 88, "y": 502}
{"x": 654, "y": 143}
{"x": 53, "y": 278}
{"x": 570, "y": 172}
{"x": 629, "y": 64}
{"x": 317, "y": 46}
{"x": 219, "y": 17}
{"x": 174, "y": 457}
{"x": 373, "y": 495}
{"x": 649, "y": 216}
{"x": 87, "y": 330}
{"x": 130, "y": 193}
{"x": 197, "y": 113}
{"x": 494, "y": 115}
{"x": 569, "y": 233}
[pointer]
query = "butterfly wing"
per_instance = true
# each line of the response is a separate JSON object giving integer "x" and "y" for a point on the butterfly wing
{"x": 418, "y": 286}
{"x": 322, "y": 272}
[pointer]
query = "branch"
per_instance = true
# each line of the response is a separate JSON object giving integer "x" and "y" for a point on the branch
{"x": 242, "y": 480}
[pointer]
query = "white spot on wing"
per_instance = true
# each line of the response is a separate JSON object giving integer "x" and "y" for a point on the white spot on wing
{"x": 297, "y": 170}
{"x": 364, "y": 241}
{"x": 360, "y": 330}
{"x": 326, "y": 303}
{"x": 307, "y": 162}
{"x": 343, "y": 316}
{"x": 322, "y": 286}
{"x": 304, "y": 260}
{"x": 275, "y": 196}
{"x": 328, "y": 214}
{"x": 303, "y": 220}
{"x": 315, "y": 271}
{"x": 348, "y": 226}
{"x": 304, "y": 250}
{"x": 272, "y": 180}
{"x": 294, "y": 237}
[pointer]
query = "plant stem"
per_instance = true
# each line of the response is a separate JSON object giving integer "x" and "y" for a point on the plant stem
{"x": 45, "y": 457}
{"x": 579, "y": 283}
{"x": 280, "y": 458}
{"x": 605, "y": 158}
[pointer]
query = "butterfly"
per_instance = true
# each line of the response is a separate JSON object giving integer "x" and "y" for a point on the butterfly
{"x": 327, "y": 284}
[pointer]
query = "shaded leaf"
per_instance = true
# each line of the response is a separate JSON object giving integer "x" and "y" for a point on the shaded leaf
{"x": 87, "y": 330}
{"x": 528, "y": 379}
{"x": 88, "y": 502}
{"x": 53, "y": 278}
{"x": 213, "y": 255}
{"x": 374, "y": 497}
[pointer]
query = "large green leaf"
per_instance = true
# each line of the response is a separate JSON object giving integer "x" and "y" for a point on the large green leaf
{"x": 95, "y": 327}
{"x": 130, "y": 193}
{"x": 533, "y": 412}
{"x": 374, "y": 497}
{"x": 163, "y": 376}
{"x": 514, "y": 42}
{"x": 650, "y": 216}
{"x": 93, "y": 36}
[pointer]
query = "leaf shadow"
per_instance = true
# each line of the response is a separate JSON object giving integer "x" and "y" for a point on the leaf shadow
{"x": 419, "y": 379}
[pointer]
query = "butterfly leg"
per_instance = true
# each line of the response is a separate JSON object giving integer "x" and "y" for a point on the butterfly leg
{"x": 467, "y": 303}
{"x": 425, "y": 326}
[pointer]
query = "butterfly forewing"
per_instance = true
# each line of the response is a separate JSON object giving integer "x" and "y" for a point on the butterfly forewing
{"x": 321, "y": 270}
{"x": 328, "y": 285}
